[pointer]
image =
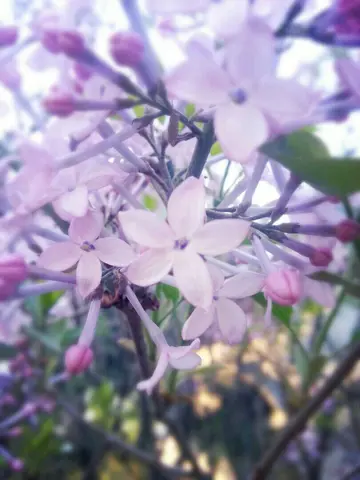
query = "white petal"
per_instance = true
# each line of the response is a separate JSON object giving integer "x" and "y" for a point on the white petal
{"x": 88, "y": 273}
{"x": 86, "y": 228}
{"x": 240, "y": 129}
{"x": 220, "y": 236}
{"x": 198, "y": 322}
{"x": 60, "y": 256}
{"x": 321, "y": 292}
{"x": 284, "y": 100}
{"x": 178, "y": 352}
{"x": 349, "y": 73}
{"x": 217, "y": 276}
{"x": 231, "y": 320}
{"x": 75, "y": 202}
{"x": 226, "y": 18}
{"x": 245, "y": 284}
{"x": 150, "y": 267}
{"x": 114, "y": 251}
{"x": 186, "y": 207}
{"x": 176, "y": 6}
{"x": 193, "y": 278}
{"x": 250, "y": 56}
{"x": 149, "y": 384}
{"x": 199, "y": 79}
{"x": 146, "y": 228}
{"x": 188, "y": 362}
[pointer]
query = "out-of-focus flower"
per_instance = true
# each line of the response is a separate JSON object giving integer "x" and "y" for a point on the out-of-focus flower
{"x": 249, "y": 100}
{"x": 178, "y": 243}
{"x": 127, "y": 48}
{"x": 176, "y": 6}
{"x": 78, "y": 358}
{"x": 346, "y": 17}
{"x": 8, "y": 35}
{"x": 87, "y": 251}
{"x": 230, "y": 318}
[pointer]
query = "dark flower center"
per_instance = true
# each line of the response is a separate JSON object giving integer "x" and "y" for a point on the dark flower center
{"x": 238, "y": 96}
{"x": 181, "y": 244}
{"x": 87, "y": 247}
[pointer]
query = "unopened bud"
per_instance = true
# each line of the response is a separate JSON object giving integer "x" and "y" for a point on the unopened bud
{"x": 321, "y": 257}
{"x": 283, "y": 286}
{"x": 61, "y": 105}
{"x": 8, "y": 36}
{"x": 347, "y": 231}
{"x": 72, "y": 44}
{"x": 78, "y": 358}
{"x": 13, "y": 268}
{"x": 127, "y": 48}
{"x": 17, "y": 465}
{"x": 82, "y": 71}
{"x": 50, "y": 41}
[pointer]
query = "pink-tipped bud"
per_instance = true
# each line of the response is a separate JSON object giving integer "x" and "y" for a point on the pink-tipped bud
{"x": 13, "y": 268}
{"x": 127, "y": 48}
{"x": 321, "y": 257}
{"x": 58, "y": 104}
{"x": 71, "y": 43}
{"x": 17, "y": 465}
{"x": 283, "y": 286}
{"x": 78, "y": 358}
{"x": 82, "y": 71}
{"x": 8, "y": 36}
{"x": 347, "y": 231}
{"x": 50, "y": 41}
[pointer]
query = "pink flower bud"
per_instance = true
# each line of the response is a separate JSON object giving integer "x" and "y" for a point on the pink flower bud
{"x": 50, "y": 41}
{"x": 127, "y": 48}
{"x": 78, "y": 358}
{"x": 17, "y": 465}
{"x": 71, "y": 43}
{"x": 346, "y": 17}
{"x": 13, "y": 268}
{"x": 347, "y": 231}
{"x": 82, "y": 71}
{"x": 283, "y": 286}
{"x": 58, "y": 104}
{"x": 8, "y": 36}
{"x": 7, "y": 289}
{"x": 321, "y": 257}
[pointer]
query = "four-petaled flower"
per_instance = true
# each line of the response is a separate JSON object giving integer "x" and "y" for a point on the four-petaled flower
{"x": 249, "y": 100}
{"x": 87, "y": 251}
{"x": 229, "y": 317}
{"x": 179, "y": 243}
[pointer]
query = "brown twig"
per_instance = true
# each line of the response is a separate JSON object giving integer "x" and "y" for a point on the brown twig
{"x": 299, "y": 421}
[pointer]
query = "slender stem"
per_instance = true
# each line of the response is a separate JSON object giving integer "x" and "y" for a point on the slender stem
{"x": 298, "y": 423}
{"x": 201, "y": 151}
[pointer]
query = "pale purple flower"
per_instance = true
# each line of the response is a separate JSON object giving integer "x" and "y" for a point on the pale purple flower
{"x": 249, "y": 99}
{"x": 224, "y": 312}
{"x": 179, "y": 243}
{"x": 176, "y": 6}
{"x": 87, "y": 251}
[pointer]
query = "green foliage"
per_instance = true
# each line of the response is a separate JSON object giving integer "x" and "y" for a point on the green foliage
{"x": 39, "y": 306}
{"x": 307, "y": 156}
{"x": 7, "y": 351}
{"x": 150, "y": 202}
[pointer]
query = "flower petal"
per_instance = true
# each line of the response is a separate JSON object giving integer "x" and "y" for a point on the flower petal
{"x": 114, "y": 251}
{"x": 231, "y": 320}
{"x": 60, "y": 256}
{"x": 160, "y": 369}
{"x": 198, "y": 322}
{"x": 226, "y": 18}
{"x": 86, "y": 228}
{"x": 176, "y": 6}
{"x": 349, "y": 73}
{"x": 188, "y": 362}
{"x": 75, "y": 202}
{"x": 186, "y": 207}
{"x": 146, "y": 228}
{"x": 250, "y": 56}
{"x": 217, "y": 276}
{"x": 220, "y": 236}
{"x": 245, "y": 284}
{"x": 284, "y": 100}
{"x": 150, "y": 267}
{"x": 240, "y": 129}
{"x": 199, "y": 79}
{"x": 193, "y": 277}
{"x": 88, "y": 273}
{"x": 178, "y": 352}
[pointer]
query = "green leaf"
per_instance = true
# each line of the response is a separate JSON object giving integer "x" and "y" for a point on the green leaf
{"x": 283, "y": 313}
{"x": 307, "y": 156}
{"x": 349, "y": 287}
{"x": 150, "y": 202}
{"x": 170, "y": 293}
{"x": 216, "y": 149}
{"x": 190, "y": 110}
{"x": 48, "y": 300}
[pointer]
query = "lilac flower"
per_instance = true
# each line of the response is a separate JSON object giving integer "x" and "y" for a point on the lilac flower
{"x": 87, "y": 251}
{"x": 249, "y": 99}
{"x": 229, "y": 317}
{"x": 179, "y": 243}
